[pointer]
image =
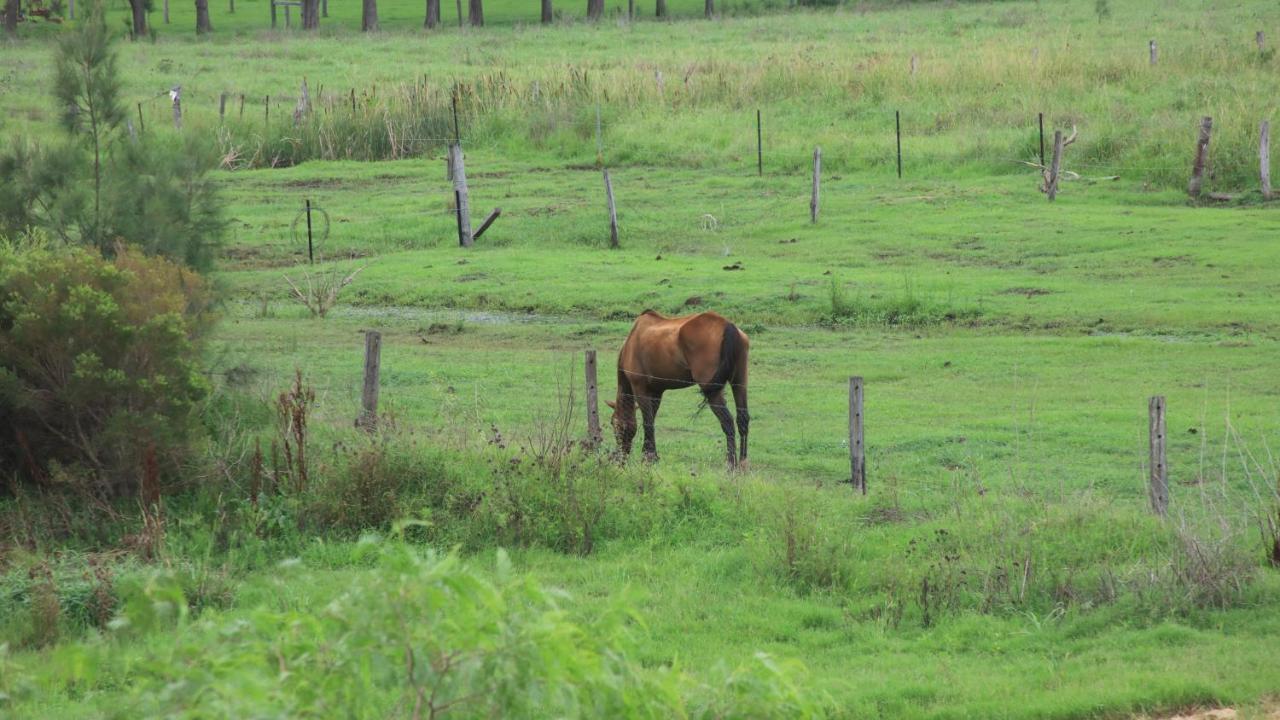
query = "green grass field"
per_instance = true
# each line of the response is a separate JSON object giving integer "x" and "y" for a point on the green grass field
{"x": 1009, "y": 345}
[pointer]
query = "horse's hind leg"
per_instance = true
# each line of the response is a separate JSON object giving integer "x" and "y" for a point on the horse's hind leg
{"x": 744, "y": 417}
{"x": 721, "y": 411}
{"x": 649, "y": 412}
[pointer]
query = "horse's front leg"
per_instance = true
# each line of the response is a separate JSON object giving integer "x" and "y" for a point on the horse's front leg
{"x": 649, "y": 412}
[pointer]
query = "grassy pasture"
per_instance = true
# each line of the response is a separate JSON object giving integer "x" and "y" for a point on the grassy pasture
{"x": 1009, "y": 346}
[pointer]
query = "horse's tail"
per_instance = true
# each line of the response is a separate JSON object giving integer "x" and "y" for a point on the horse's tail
{"x": 730, "y": 351}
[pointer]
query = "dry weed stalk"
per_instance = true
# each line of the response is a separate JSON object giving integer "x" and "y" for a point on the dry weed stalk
{"x": 322, "y": 289}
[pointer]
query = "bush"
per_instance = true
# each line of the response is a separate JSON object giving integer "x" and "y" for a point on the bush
{"x": 98, "y": 367}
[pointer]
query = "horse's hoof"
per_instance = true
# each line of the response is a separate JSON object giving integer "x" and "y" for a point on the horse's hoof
{"x": 651, "y": 458}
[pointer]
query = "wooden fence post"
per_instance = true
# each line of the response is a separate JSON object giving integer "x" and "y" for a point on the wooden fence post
{"x": 759, "y": 145}
{"x": 1151, "y": 48}
{"x": 594, "y": 436}
{"x": 897, "y": 129}
{"x": 71, "y": 9}
{"x": 613, "y": 211}
{"x": 166, "y": 12}
{"x": 372, "y": 366}
{"x": 460, "y": 195}
{"x": 1159, "y": 469}
{"x": 1202, "y": 156}
{"x": 1264, "y": 158}
{"x": 1055, "y": 169}
{"x": 176, "y": 95}
{"x": 1260, "y": 37}
{"x": 142, "y": 125}
{"x": 273, "y": 14}
{"x": 222, "y": 107}
{"x": 1041, "y": 140}
{"x": 817, "y": 175}
{"x": 497, "y": 213}
{"x": 915, "y": 61}
{"x": 857, "y": 449}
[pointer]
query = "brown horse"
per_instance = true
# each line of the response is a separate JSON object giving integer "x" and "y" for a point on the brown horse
{"x": 663, "y": 353}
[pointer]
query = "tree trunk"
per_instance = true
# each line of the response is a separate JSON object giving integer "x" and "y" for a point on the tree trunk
{"x": 139, "y": 18}
{"x": 433, "y": 14}
{"x": 475, "y": 12}
{"x": 310, "y": 14}
{"x": 202, "y": 17}
{"x": 11, "y": 16}
{"x": 661, "y": 9}
{"x": 595, "y": 8}
{"x": 547, "y": 16}
{"x": 369, "y": 16}
{"x": 710, "y": 9}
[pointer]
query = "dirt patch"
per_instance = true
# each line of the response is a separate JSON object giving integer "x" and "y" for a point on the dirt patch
{"x": 1028, "y": 291}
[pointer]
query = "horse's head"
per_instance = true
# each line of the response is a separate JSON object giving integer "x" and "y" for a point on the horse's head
{"x": 624, "y": 425}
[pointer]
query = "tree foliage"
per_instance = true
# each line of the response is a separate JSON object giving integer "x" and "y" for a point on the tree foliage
{"x": 98, "y": 365}
{"x": 105, "y": 185}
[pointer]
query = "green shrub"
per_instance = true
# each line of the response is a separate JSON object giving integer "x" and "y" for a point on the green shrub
{"x": 99, "y": 370}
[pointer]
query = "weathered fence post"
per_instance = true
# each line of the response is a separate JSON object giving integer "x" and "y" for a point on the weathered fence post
{"x": 497, "y": 213}
{"x": 897, "y": 129}
{"x": 1264, "y": 158}
{"x": 1260, "y": 37}
{"x": 1151, "y": 48}
{"x": 594, "y": 436}
{"x": 142, "y": 126}
{"x": 1159, "y": 469}
{"x": 222, "y": 107}
{"x": 304, "y": 103}
{"x": 1055, "y": 169}
{"x": 857, "y": 449}
{"x": 71, "y": 9}
{"x": 166, "y": 12}
{"x": 1042, "y": 140}
{"x": 241, "y": 106}
{"x": 273, "y": 15}
{"x": 1202, "y": 156}
{"x": 759, "y": 145}
{"x": 372, "y": 365}
{"x": 176, "y": 95}
{"x": 817, "y": 175}
{"x": 613, "y": 211}
{"x": 460, "y": 195}
{"x": 915, "y": 61}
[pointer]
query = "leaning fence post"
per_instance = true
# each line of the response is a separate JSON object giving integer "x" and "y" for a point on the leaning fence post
{"x": 613, "y": 211}
{"x": 460, "y": 195}
{"x": 594, "y": 436}
{"x": 817, "y": 175}
{"x": 372, "y": 364}
{"x": 1056, "y": 168}
{"x": 1159, "y": 469}
{"x": 1202, "y": 155}
{"x": 1264, "y": 158}
{"x": 857, "y": 450}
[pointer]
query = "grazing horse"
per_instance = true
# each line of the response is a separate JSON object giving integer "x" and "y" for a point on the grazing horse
{"x": 663, "y": 353}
